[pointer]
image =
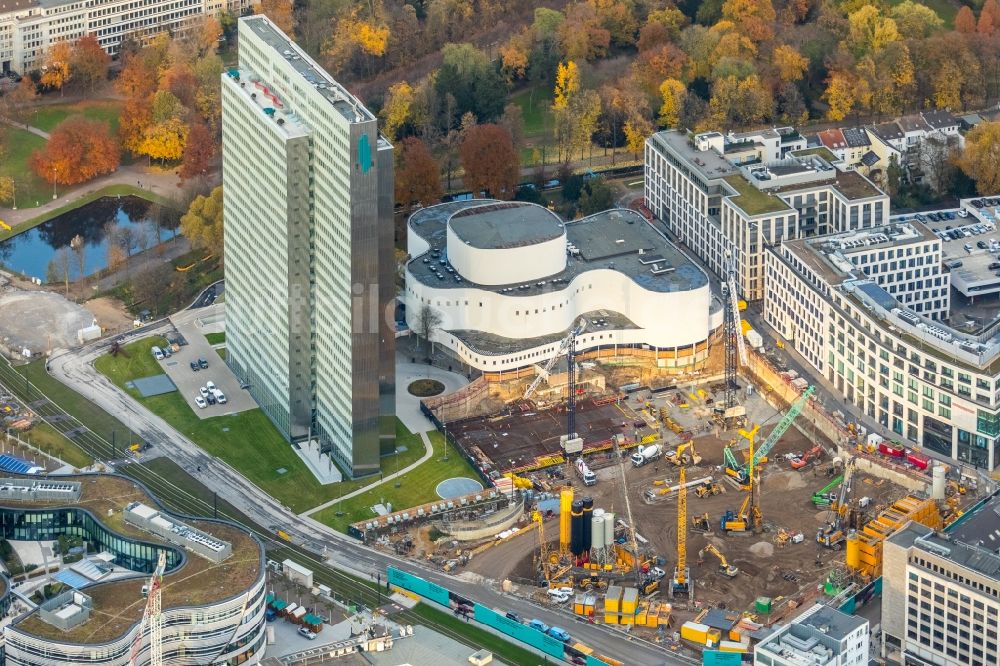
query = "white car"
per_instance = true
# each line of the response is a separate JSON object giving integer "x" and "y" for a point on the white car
{"x": 219, "y": 396}
{"x": 203, "y": 391}
{"x": 200, "y": 401}
{"x": 559, "y": 594}
{"x": 657, "y": 573}
{"x": 308, "y": 634}
{"x": 963, "y": 213}
{"x": 210, "y": 385}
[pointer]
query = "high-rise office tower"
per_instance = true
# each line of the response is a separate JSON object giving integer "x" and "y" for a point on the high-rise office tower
{"x": 308, "y": 199}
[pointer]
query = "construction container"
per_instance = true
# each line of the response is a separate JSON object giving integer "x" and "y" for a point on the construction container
{"x": 732, "y": 646}
{"x": 695, "y": 632}
{"x": 630, "y": 601}
{"x": 715, "y": 636}
{"x": 762, "y": 605}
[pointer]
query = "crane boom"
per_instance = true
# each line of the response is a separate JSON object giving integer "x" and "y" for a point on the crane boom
{"x": 563, "y": 347}
{"x": 682, "y": 513}
{"x": 734, "y": 303}
{"x": 783, "y": 425}
{"x": 152, "y": 617}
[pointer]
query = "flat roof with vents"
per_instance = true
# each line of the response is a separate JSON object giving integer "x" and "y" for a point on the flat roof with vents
{"x": 506, "y": 225}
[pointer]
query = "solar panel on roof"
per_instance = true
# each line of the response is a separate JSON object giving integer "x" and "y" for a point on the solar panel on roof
{"x": 9, "y": 463}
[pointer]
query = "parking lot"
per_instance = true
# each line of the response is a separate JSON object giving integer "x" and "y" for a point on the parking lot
{"x": 188, "y": 381}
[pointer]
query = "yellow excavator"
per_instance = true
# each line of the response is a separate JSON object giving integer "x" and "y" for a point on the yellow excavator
{"x": 725, "y": 568}
{"x": 707, "y": 488}
{"x": 681, "y": 456}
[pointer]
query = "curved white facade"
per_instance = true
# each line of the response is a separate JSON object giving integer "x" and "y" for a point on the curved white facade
{"x": 231, "y": 631}
{"x": 675, "y": 322}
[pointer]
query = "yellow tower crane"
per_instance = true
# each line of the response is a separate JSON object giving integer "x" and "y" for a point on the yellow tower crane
{"x": 682, "y": 576}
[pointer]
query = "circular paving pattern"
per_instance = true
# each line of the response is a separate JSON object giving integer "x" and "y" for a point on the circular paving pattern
{"x": 425, "y": 388}
{"x": 457, "y": 486}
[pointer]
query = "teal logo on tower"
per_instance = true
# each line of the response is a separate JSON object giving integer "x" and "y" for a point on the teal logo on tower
{"x": 364, "y": 153}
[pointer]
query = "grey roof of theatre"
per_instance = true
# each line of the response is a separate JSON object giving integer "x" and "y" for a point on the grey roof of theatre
{"x": 856, "y": 137}
{"x": 608, "y": 240}
{"x": 489, "y": 344}
{"x": 833, "y": 623}
{"x": 981, "y": 559}
{"x": 506, "y": 224}
{"x": 347, "y": 104}
{"x": 938, "y": 118}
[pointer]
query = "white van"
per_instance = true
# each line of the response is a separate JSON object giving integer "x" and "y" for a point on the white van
{"x": 219, "y": 396}
{"x": 157, "y": 353}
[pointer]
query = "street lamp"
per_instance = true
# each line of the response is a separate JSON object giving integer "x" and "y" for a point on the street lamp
{"x": 53, "y": 182}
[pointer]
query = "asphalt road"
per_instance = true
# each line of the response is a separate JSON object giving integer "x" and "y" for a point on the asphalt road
{"x": 75, "y": 369}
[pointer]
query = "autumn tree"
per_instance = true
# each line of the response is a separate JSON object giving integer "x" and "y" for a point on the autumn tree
{"x": 396, "y": 110}
{"x": 490, "y": 161}
{"x": 597, "y": 195}
{"x": 672, "y": 94}
{"x": 280, "y": 13}
{"x": 740, "y": 103}
{"x": 581, "y": 35}
{"x": 989, "y": 18}
{"x": 914, "y": 20}
{"x": 137, "y": 78}
{"x": 17, "y": 105}
{"x": 869, "y": 31}
{"x": 753, "y": 18}
{"x": 78, "y": 150}
{"x": 204, "y": 34}
{"x": 6, "y": 190}
{"x": 840, "y": 95}
{"x": 165, "y": 141}
{"x": 88, "y": 63}
{"x": 202, "y": 224}
{"x": 199, "y": 149}
{"x": 467, "y": 74}
{"x": 133, "y": 120}
{"x": 567, "y": 85}
{"x": 965, "y": 20}
{"x": 418, "y": 177}
{"x": 789, "y": 63}
{"x": 358, "y": 33}
{"x": 56, "y": 68}
{"x": 981, "y": 159}
{"x": 637, "y": 130}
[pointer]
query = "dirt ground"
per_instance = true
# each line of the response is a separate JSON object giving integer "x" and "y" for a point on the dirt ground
{"x": 109, "y": 312}
{"x": 40, "y": 320}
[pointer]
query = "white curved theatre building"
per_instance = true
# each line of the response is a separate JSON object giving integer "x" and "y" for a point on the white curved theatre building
{"x": 508, "y": 280}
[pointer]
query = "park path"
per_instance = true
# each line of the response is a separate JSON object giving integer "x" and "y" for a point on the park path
{"x": 428, "y": 452}
{"x": 34, "y": 130}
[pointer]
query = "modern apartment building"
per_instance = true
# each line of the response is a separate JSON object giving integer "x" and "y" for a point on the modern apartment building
{"x": 308, "y": 201}
{"x": 29, "y": 27}
{"x": 821, "y": 636}
{"x": 730, "y": 197}
{"x": 943, "y": 590}
{"x": 866, "y": 309}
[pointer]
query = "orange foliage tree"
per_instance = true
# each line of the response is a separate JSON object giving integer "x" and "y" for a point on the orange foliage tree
{"x": 55, "y": 71}
{"x": 490, "y": 161}
{"x": 418, "y": 177}
{"x": 78, "y": 150}
{"x": 199, "y": 149}
{"x": 89, "y": 63}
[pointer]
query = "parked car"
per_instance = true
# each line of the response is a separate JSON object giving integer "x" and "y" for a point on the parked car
{"x": 306, "y": 633}
{"x": 210, "y": 398}
{"x": 219, "y": 395}
{"x": 657, "y": 573}
{"x": 210, "y": 385}
{"x": 515, "y": 617}
{"x": 203, "y": 391}
{"x": 203, "y": 364}
{"x": 559, "y": 634}
{"x": 541, "y": 626}
{"x": 200, "y": 401}
{"x": 981, "y": 245}
{"x": 195, "y": 366}
{"x": 963, "y": 213}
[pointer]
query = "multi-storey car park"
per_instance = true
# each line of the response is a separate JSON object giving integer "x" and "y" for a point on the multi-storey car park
{"x": 729, "y": 197}
{"x": 29, "y": 27}
{"x": 868, "y": 309}
{"x": 510, "y": 279}
{"x": 213, "y": 593}
{"x": 943, "y": 590}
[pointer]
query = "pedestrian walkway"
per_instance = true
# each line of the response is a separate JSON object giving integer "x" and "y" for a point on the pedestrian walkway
{"x": 428, "y": 452}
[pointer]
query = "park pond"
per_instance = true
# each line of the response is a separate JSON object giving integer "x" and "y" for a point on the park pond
{"x": 88, "y": 237}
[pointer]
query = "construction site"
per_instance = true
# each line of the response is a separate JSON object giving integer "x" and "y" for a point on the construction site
{"x": 695, "y": 510}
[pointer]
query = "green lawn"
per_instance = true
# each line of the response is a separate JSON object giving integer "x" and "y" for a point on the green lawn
{"x": 230, "y": 438}
{"x": 47, "y": 118}
{"x": 215, "y": 338}
{"x": 49, "y": 440}
{"x": 536, "y": 109}
{"x": 415, "y": 488}
{"x": 30, "y": 190}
